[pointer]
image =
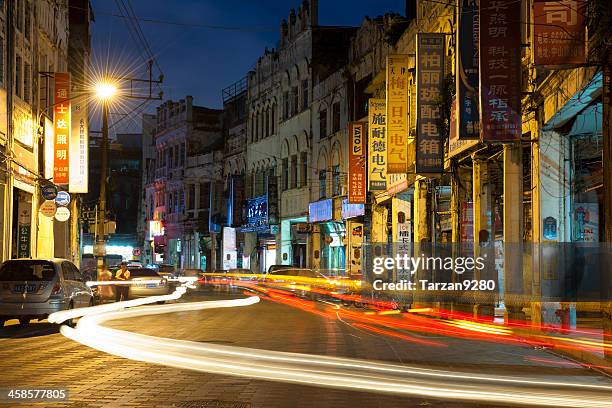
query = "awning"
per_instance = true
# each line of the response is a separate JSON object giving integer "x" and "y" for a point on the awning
{"x": 577, "y": 103}
{"x": 589, "y": 122}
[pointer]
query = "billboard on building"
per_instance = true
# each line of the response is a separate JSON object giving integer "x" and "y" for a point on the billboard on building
{"x": 467, "y": 70}
{"x": 500, "y": 71}
{"x": 357, "y": 163}
{"x": 377, "y": 145}
{"x": 61, "y": 127}
{"x": 397, "y": 113}
{"x": 559, "y": 32}
{"x": 79, "y": 143}
{"x": 430, "y": 77}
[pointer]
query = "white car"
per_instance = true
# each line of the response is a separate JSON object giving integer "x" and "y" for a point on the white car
{"x": 35, "y": 288}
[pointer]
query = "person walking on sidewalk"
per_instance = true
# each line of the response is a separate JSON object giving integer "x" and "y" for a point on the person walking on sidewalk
{"x": 123, "y": 274}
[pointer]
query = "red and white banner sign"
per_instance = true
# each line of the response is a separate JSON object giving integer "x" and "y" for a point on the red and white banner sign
{"x": 61, "y": 124}
{"x": 357, "y": 163}
{"x": 558, "y": 32}
{"x": 500, "y": 71}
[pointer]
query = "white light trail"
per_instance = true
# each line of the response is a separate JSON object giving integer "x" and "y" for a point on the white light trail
{"x": 332, "y": 372}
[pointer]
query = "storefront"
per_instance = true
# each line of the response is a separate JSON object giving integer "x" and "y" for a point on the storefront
{"x": 329, "y": 238}
{"x": 259, "y": 250}
{"x": 293, "y": 242}
{"x": 572, "y": 198}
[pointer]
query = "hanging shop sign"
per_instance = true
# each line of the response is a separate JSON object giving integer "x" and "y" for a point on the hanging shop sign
{"x": 62, "y": 214}
{"x": 48, "y": 192}
{"x": 467, "y": 70}
{"x": 79, "y": 143}
{"x": 61, "y": 125}
{"x": 256, "y": 215}
{"x": 351, "y": 210}
{"x": 500, "y": 71}
{"x": 48, "y": 208}
{"x": 273, "y": 210}
{"x": 397, "y": 113}
{"x": 559, "y": 32}
{"x": 430, "y": 75}
{"x": 357, "y": 163}
{"x": 321, "y": 210}
{"x": 377, "y": 145}
{"x": 62, "y": 199}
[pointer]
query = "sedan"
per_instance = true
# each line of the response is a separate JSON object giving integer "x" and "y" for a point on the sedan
{"x": 35, "y": 288}
{"x": 152, "y": 284}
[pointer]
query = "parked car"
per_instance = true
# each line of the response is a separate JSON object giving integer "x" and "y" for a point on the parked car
{"x": 157, "y": 284}
{"x": 274, "y": 268}
{"x": 35, "y": 288}
{"x": 166, "y": 270}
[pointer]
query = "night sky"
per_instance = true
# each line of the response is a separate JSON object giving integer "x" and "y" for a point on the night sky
{"x": 201, "y": 61}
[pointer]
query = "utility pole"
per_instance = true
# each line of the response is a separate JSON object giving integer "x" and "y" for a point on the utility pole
{"x": 105, "y": 92}
{"x": 100, "y": 243}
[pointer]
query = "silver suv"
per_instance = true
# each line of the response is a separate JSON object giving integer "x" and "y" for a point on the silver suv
{"x": 35, "y": 288}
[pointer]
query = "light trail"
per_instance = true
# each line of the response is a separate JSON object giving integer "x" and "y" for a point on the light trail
{"x": 331, "y": 372}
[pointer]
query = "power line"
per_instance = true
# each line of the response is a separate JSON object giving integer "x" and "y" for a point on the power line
{"x": 188, "y": 24}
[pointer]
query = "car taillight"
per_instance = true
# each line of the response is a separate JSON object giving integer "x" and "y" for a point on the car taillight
{"x": 57, "y": 288}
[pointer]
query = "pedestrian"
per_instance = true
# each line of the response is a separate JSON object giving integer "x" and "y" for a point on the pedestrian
{"x": 105, "y": 291}
{"x": 123, "y": 274}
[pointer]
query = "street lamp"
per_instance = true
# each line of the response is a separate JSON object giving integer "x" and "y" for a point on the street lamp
{"x": 104, "y": 91}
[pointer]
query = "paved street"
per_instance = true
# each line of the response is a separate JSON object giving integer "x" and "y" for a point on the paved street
{"x": 39, "y": 357}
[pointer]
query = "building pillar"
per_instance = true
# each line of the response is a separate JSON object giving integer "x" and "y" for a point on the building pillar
{"x": 481, "y": 205}
{"x": 513, "y": 223}
{"x": 481, "y": 197}
{"x": 606, "y": 295}
{"x": 420, "y": 215}
{"x": 456, "y": 231}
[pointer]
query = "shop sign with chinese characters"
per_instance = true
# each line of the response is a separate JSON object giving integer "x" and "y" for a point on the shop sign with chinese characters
{"x": 467, "y": 68}
{"x": 377, "y": 143}
{"x": 558, "y": 32}
{"x": 430, "y": 73}
{"x": 79, "y": 141}
{"x": 357, "y": 163}
{"x": 61, "y": 122}
{"x": 397, "y": 114}
{"x": 500, "y": 71}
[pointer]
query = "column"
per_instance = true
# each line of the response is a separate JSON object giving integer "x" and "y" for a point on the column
{"x": 481, "y": 198}
{"x": 513, "y": 222}
{"x": 420, "y": 215}
{"x": 481, "y": 201}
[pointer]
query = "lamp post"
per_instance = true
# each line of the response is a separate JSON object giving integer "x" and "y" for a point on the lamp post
{"x": 104, "y": 92}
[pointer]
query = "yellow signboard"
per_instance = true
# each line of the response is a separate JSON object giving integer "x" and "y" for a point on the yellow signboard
{"x": 377, "y": 143}
{"x": 397, "y": 113}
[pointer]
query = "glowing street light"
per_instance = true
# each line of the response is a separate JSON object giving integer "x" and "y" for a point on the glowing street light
{"x": 105, "y": 90}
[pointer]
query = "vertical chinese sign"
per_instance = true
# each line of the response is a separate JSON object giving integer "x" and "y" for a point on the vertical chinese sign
{"x": 61, "y": 124}
{"x": 397, "y": 114}
{"x": 430, "y": 74}
{"x": 558, "y": 32}
{"x": 357, "y": 163}
{"x": 377, "y": 143}
{"x": 467, "y": 70}
{"x": 500, "y": 71}
{"x": 79, "y": 141}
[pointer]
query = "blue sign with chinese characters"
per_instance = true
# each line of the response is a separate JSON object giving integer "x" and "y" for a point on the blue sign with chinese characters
{"x": 321, "y": 210}
{"x": 256, "y": 214}
{"x": 62, "y": 199}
